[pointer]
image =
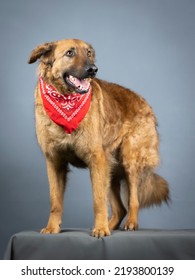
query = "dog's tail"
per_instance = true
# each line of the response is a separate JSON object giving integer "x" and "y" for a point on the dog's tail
{"x": 153, "y": 190}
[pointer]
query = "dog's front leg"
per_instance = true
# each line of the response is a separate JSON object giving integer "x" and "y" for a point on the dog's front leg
{"x": 100, "y": 178}
{"x": 57, "y": 177}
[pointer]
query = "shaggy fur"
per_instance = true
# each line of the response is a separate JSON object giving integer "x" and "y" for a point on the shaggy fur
{"x": 117, "y": 140}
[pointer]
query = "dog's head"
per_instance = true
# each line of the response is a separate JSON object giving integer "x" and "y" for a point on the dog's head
{"x": 68, "y": 64}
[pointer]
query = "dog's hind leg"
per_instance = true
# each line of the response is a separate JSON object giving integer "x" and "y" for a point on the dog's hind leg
{"x": 57, "y": 179}
{"x": 139, "y": 154}
{"x": 133, "y": 170}
{"x": 133, "y": 207}
{"x": 117, "y": 207}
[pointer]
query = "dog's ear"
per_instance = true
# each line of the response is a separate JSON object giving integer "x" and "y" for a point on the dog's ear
{"x": 40, "y": 51}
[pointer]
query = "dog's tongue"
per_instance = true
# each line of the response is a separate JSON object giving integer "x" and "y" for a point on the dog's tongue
{"x": 79, "y": 84}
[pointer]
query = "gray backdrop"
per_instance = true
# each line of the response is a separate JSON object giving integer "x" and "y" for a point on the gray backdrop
{"x": 147, "y": 46}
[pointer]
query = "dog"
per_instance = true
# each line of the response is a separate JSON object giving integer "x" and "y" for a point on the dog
{"x": 88, "y": 122}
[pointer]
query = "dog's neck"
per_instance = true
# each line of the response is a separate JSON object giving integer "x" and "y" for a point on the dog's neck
{"x": 67, "y": 110}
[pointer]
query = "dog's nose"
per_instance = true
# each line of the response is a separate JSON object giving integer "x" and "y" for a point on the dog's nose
{"x": 91, "y": 70}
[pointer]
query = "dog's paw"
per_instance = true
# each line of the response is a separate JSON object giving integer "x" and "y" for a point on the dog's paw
{"x": 50, "y": 230}
{"x": 100, "y": 232}
{"x": 131, "y": 226}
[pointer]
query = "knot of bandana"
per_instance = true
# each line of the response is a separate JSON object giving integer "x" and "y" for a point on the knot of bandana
{"x": 65, "y": 110}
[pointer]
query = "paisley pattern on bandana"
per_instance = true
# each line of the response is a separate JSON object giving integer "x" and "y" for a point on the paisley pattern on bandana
{"x": 65, "y": 110}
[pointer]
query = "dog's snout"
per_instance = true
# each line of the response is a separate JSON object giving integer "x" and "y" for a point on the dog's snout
{"x": 91, "y": 70}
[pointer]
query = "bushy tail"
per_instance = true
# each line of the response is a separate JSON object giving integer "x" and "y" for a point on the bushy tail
{"x": 153, "y": 190}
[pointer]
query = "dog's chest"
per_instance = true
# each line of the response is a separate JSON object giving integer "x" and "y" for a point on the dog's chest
{"x": 71, "y": 147}
{"x": 74, "y": 148}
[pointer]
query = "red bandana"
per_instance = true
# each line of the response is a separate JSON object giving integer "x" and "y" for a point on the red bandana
{"x": 65, "y": 110}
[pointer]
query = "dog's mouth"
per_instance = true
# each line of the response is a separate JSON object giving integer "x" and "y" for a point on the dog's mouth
{"x": 78, "y": 85}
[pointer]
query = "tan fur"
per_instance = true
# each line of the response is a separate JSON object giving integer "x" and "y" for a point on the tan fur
{"x": 117, "y": 140}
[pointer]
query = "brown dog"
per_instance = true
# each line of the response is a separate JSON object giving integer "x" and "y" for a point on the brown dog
{"x": 112, "y": 131}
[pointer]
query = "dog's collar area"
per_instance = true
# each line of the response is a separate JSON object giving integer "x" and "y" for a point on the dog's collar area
{"x": 66, "y": 111}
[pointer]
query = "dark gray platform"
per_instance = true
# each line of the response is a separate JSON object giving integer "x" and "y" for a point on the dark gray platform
{"x": 78, "y": 244}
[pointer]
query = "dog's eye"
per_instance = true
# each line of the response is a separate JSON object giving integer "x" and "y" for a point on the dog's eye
{"x": 70, "y": 53}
